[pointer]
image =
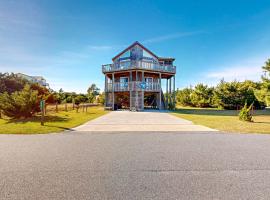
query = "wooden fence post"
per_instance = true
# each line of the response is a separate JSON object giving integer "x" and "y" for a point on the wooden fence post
{"x": 56, "y": 107}
{"x": 66, "y": 107}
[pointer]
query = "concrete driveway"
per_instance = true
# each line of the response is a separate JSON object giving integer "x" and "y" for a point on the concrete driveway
{"x": 141, "y": 122}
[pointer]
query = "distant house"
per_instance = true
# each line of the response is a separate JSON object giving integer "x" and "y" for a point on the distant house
{"x": 34, "y": 79}
{"x": 133, "y": 80}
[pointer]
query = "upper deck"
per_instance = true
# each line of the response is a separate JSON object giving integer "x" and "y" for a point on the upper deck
{"x": 132, "y": 64}
{"x": 136, "y": 56}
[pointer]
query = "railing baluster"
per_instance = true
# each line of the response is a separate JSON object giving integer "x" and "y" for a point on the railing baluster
{"x": 138, "y": 64}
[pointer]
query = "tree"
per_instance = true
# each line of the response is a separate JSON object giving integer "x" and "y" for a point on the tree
{"x": 11, "y": 82}
{"x": 183, "y": 97}
{"x": 263, "y": 94}
{"x": 80, "y": 99}
{"x": 43, "y": 93}
{"x": 101, "y": 98}
{"x": 231, "y": 95}
{"x": 245, "y": 114}
{"x": 92, "y": 92}
{"x": 201, "y": 96}
{"x": 20, "y": 104}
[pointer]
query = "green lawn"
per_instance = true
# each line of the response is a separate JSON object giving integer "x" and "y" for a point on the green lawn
{"x": 54, "y": 122}
{"x": 226, "y": 120}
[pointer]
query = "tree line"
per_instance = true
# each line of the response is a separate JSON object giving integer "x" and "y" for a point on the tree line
{"x": 228, "y": 95}
{"x": 20, "y": 98}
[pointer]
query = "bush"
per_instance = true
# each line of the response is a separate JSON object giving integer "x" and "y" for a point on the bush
{"x": 230, "y": 95}
{"x": 245, "y": 114}
{"x": 201, "y": 96}
{"x": 11, "y": 82}
{"x": 183, "y": 97}
{"x": 20, "y": 104}
{"x": 101, "y": 98}
{"x": 80, "y": 99}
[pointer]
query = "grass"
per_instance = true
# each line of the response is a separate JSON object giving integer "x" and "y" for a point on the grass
{"x": 54, "y": 122}
{"x": 226, "y": 120}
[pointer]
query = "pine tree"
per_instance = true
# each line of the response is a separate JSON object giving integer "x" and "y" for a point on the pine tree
{"x": 264, "y": 93}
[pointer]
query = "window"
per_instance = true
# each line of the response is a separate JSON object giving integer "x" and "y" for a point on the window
{"x": 149, "y": 83}
{"x": 123, "y": 83}
{"x": 125, "y": 55}
{"x": 124, "y": 64}
{"x": 148, "y": 79}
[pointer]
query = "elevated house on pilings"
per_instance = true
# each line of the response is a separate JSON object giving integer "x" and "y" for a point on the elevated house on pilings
{"x": 133, "y": 80}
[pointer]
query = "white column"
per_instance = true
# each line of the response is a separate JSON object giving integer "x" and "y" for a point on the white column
{"x": 170, "y": 90}
{"x": 105, "y": 90}
{"x": 130, "y": 89}
{"x": 136, "y": 89}
{"x": 167, "y": 93}
{"x": 160, "y": 89}
{"x": 174, "y": 90}
{"x": 113, "y": 91}
{"x": 143, "y": 91}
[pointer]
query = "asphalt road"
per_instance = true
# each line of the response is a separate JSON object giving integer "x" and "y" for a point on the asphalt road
{"x": 174, "y": 165}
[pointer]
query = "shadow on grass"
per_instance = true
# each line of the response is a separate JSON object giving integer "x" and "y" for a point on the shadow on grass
{"x": 216, "y": 112}
{"x": 194, "y": 111}
{"x": 261, "y": 122}
{"x": 61, "y": 127}
{"x": 38, "y": 118}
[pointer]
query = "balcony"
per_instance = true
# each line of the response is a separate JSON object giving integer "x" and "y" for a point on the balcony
{"x": 147, "y": 65}
{"x": 134, "y": 86}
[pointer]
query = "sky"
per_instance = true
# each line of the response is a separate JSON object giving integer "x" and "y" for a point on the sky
{"x": 66, "y": 42}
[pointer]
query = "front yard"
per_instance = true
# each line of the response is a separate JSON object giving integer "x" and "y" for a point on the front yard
{"x": 226, "y": 120}
{"x": 54, "y": 122}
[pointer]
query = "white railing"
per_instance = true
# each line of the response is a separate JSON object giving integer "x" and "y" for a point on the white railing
{"x": 133, "y": 86}
{"x": 147, "y": 65}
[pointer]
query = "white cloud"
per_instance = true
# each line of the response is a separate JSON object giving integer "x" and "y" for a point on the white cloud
{"x": 172, "y": 36}
{"x": 101, "y": 47}
{"x": 250, "y": 69}
{"x": 237, "y": 73}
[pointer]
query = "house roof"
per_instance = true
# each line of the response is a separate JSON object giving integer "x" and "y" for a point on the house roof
{"x": 135, "y": 43}
{"x": 165, "y": 59}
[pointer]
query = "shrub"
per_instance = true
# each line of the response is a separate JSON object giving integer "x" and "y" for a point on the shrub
{"x": 201, "y": 96}
{"x": 245, "y": 114}
{"x": 183, "y": 97}
{"x": 230, "y": 95}
{"x": 11, "y": 82}
{"x": 80, "y": 99}
{"x": 20, "y": 104}
{"x": 101, "y": 98}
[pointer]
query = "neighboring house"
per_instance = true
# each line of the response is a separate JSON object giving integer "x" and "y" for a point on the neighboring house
{"x": 133, "y": 80}
{"x": 34, "y": 79}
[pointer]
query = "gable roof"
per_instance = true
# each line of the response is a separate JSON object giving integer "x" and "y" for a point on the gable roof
{"x": 129, "y": 47}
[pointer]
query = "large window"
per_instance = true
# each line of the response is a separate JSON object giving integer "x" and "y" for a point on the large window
{"x": 148, "y": 55}
{"x": 124, "y": 82}
{"x": 125, "y": 55}
{"x": 148, "y": 83}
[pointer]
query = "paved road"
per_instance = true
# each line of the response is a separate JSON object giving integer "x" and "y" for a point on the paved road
{"x": 104, "y": 165}
{"x": 141, "y": 122}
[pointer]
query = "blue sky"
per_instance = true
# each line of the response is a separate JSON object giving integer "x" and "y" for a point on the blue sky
{"x": 68, "y": 41}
